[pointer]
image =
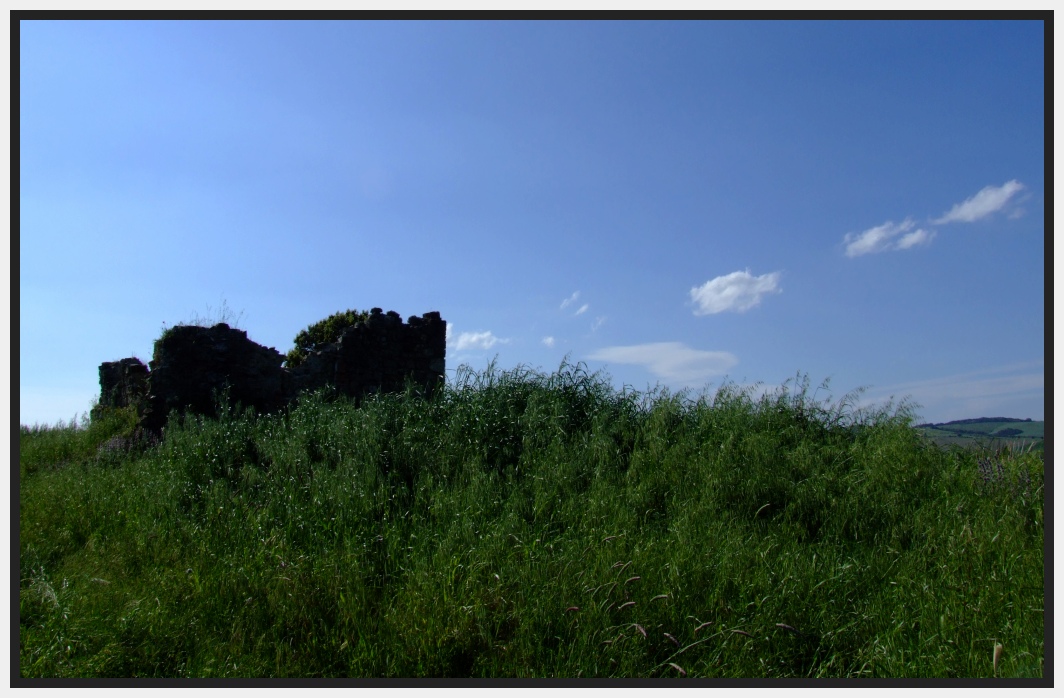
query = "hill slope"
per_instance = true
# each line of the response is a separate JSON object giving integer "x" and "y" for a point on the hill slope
{"x": 969, "y": 431}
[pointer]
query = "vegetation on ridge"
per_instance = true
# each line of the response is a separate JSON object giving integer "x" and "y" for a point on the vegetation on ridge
{"x": 321, "y": 333}
{"x": 521, "y": 524}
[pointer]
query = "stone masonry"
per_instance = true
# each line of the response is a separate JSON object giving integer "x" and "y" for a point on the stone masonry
{"x": 190, "y": 365}
{"x": 123, "y": 383}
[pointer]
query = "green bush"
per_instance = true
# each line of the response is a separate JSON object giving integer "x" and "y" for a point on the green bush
{"x": 323, "y": 332}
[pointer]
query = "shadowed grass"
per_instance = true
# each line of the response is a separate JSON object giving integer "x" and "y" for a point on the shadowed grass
{"x": 522, "y": 524}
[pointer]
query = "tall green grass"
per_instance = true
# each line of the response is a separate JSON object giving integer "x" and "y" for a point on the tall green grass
{"x": 523, "y": 524}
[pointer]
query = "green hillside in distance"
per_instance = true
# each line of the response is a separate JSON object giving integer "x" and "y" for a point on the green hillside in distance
{"x": 993, "y": 427}
{"x": 979, "y": 420}
{"x": 965, "y": 432}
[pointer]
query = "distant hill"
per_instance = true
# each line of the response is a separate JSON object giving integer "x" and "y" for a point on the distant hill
{"x": 983, "y": 420}
{"x": 965, "y": 431}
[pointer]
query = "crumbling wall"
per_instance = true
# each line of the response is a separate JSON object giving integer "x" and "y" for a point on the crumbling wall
{"x": 190, "y": 365}
{"x": 124, "y": 383}
{"x": 378, "y": 355}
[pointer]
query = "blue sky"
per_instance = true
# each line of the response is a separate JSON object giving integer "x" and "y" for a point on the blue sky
{"x": 677, "y": 203}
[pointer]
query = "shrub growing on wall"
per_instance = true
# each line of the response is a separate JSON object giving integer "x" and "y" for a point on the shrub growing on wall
{"x": 321, "y": 333}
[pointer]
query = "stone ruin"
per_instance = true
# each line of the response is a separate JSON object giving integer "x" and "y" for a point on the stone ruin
{"x": 191, "y": 365}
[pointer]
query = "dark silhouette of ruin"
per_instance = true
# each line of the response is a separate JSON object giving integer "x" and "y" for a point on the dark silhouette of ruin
{"x": 191, "y": 366}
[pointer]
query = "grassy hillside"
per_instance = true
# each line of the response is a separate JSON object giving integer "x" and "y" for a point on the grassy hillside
{"x": 529, "y": 525}
{"x": 993, "y": 427}
{"x": 988, "y": 432}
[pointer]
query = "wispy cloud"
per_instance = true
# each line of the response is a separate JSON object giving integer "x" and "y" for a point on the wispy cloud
{"x": 987, "y": 201}
{"x": 599, "y": 322}
{"x": 582, "y": 310}
{"x": 901, "y": 236}
{"x": 477, "y": 340}
{"x": 570, "y": 300}
{"x": 917, "y": 237}
{"x": 548, "y": 341}
{"x": 883, "y": 238}
{"x": 671, "y": 361}
{"x": 738, "y": 291}
{"x": 1016, "y": 390}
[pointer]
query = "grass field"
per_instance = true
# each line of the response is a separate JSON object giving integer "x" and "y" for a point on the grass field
{"x": 529, "y": 525}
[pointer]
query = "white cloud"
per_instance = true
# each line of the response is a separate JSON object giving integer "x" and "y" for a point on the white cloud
{"x": 917, "y": 237}
{"x": 1006, "y": 391}
{"x": 548, "y": 341}
{"x": 671, "y": 361}
{"x": 882, "y": 238}
{"x": 599, "y": 321}
{"x": 738, "y": 291}
{"x": 447, "y": 337}
{"x": 570, "y": 300}
{"x": 873, "y": 239}
{"x": 987, "y": 201}
{"x": 477, "y": 340}
{"x": 583, "y": 309}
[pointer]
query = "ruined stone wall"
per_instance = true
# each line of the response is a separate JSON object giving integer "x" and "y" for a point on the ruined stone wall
{"x": 124, "y": 383}
{"x": 378, "y": 355}
{"x": 191, "y": 364}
